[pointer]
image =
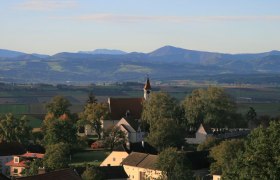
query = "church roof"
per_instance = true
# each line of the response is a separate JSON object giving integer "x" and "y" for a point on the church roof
{"x": 147, "y": 85}
{"x": 120, "y": 106}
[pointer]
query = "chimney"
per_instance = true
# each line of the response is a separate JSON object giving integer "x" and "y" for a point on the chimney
{"x": 128, "y": 145}
{"x": 143, "y": 144}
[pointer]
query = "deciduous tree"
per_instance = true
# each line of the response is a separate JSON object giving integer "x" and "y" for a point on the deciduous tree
{"x": 113, "y": 137}
{"x": 58, "y": 106}
{"x": 211, "y": 106}
{"x": 57, "y": 156}
{"x": 13, "y": 129}
{"x": 174, "y": 165}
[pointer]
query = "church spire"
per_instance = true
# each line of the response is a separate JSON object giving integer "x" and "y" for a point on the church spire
{"x": 147, "y": 89}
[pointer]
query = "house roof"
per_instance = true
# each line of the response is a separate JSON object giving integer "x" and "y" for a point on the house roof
{"x": 63, "y": 174}
{"x": 206, "y": 128}
{"x": 33, "y": 155}
{"x": 9, "y": 149}
{"x": 120, "y": 106}
{"x": 126, "y": 128}
{"x": 110, "y": 172}
{"x": 22, "y": 163}
{"x": 141, "y": 160}
{"x": 134, "y": 159}
{"x": 138, "y": 147}
{"x": 132, "y": 122}
{"x": 149, "y": 162}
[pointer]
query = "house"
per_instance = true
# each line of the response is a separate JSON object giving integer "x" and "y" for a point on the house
{"x": 132, "y": 129}
{"x": 204, "y": 132}
{"x": 120, "y": 153}
{"x": 201, "y": 135}
{"x": 109, "y": 172}
{"x": 217, "y": 177}
{"x": 140, "y": 166}
{"x": 64, "y": 174}
{"x": 7, "y": 152}
{"x": 19, "y": 163}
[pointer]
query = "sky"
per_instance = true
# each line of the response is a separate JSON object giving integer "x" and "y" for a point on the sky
{"x": 52, "y": 26}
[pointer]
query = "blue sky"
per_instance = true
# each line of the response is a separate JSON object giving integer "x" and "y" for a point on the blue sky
{"x": 51, "y": 26}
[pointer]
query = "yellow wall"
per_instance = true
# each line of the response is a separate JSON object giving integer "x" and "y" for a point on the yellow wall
{"x": 115, "y": 158}
{"x": 19, "y": 170}
{"x": 134, "y": 173}
{"x": 217, "y": 177}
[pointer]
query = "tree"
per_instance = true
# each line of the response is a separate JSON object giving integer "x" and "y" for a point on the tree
{"x": 93, "y": 113}
{"x": 166, "y": 134}
{"x": 57, "y": 156}
{"x": 174, "y": 165}
{"x": 251, "y": 117}
{"x": 92, "y": 173}
{"x": 34, "y": 167}
{"x": 13, "y": 129}
{"x": 163, "y": 116}
{"x": 58, "y": 106}
{"x": 208, "y": 143}
{"x": 58, "y": 130}
{"x": 159, "y": 106}
{"x": 114, "y": 137}
{"x": 260, "y": 158}
{"x": 211, "y": 106}
{"x": 224, "y": 154}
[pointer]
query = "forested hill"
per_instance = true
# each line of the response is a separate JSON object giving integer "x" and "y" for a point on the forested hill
{"x": 166, "y": 63}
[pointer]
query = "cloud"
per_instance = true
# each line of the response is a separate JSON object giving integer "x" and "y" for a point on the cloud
{"x": 46, "y": 5}
{"x": 171, "y": 19}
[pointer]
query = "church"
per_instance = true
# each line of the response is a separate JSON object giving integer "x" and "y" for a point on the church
{"x": 126, "y": 114}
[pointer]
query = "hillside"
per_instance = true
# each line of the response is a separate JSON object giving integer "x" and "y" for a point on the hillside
{"x": 166, "y": 63}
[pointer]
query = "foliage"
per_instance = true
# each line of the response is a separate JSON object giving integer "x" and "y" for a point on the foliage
{"x": 208, "y": 143}
{"x": 34, "y": 167}
{"x": 174, "y": 165}
{"x": 14, "y": 129}
{"x": 163, "y": 115}
{"x": 114, "y": 137}
{"x": 58, "y": 106}
{"x": 166, "y": 134}
{"x": 224, "y": 154}
{"x": 57, "y": 130}
{"x": 92, "y": 173}
{"x": 57, "y": 156}
{"x": 211, "y": 106}
{"x": 159, "y": 106}
{"x": 260, "y": 158}
{"x": 93, "y": 113}
{"x": 251, "y": 117}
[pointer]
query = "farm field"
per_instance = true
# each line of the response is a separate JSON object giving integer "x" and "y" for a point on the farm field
{"x": 31, "y": 100}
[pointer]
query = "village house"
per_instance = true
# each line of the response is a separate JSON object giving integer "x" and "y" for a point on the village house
{"x": 19, "y": 163}
{"x": 7, "y": 152}
{"x": 203, "y": 132}
{"x": 141, "y": 166}
{"x": 119, "y": 153}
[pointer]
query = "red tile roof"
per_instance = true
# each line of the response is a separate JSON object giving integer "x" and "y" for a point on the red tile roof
{"x": 33, "y": 155}
{"x": 64, "y": 174}
{"x": 119, "y": 107}
{"x": 19, "y": 164}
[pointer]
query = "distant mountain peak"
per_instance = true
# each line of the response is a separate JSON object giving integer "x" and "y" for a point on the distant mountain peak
{"x": 10, "y": 54}
{"x": 104, "y": 51}
{"x": 168, "y": 50}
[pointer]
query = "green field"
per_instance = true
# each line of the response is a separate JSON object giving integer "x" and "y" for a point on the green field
{"x": 30, "y": 100}
{"x": 88, "y": 157}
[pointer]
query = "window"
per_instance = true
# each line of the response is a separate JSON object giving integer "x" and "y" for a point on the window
{"x": 15, "y": 170}
{"x": 114, "y": 159}
{"x": 16, "y": 159}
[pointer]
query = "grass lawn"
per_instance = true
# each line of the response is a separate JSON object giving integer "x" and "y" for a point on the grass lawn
{"x": 88, "y": 157}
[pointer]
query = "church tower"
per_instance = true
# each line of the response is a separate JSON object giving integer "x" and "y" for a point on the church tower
{"x": 147, "y": 89}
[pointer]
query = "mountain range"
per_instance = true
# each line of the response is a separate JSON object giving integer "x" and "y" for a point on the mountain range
{"x": 164, "y": 64}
